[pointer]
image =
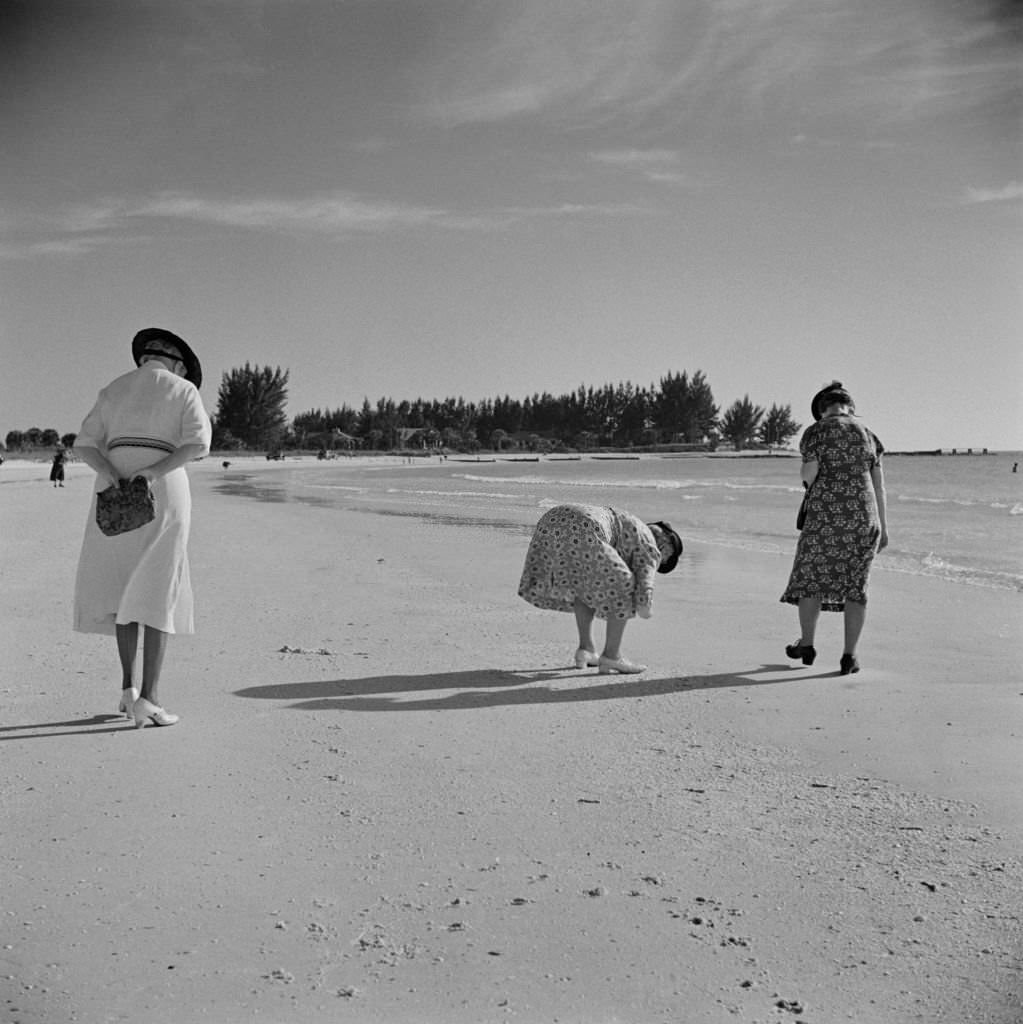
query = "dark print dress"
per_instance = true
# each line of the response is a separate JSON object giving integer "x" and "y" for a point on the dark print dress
{"x": 604, "y": 558}
{"x": 839, "y": 538}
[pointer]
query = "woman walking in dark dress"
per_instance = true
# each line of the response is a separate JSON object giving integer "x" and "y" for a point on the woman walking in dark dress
{"x": 57, "y": 468}
{"x": 846, "y": 523}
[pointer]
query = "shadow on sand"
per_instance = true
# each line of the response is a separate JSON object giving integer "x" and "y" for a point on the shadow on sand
{"x": 492, "y": 688}
{"x": 478, "y": 688}
{"x": 74, "y": 727}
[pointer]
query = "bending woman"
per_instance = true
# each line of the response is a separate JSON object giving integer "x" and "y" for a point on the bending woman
{"x": 597, "y": 563}
{"x": 846, "y": 523}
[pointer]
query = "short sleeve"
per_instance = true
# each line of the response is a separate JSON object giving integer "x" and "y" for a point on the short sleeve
{"x": 195, "y": 423}
{"x": 809, "y": 444}
{"x": 93, "y": 433}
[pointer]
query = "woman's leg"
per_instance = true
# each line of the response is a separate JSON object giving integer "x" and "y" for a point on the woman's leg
{"x": 584, "y": 622}
{"x": 809, "y": 613}
{"x": 127, "y": 645}
{"x": 855, "y": 615}
{"x": 153, "y": 649}
{"x": 613, "y": 638}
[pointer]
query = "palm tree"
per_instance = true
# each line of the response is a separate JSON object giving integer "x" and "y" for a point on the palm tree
{"x": 250, "y": 405}
{"x": 740, "y": 421}
{"x": 778, "y": 426}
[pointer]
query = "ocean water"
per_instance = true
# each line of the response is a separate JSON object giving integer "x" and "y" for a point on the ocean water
{"x": 959, "y": 518}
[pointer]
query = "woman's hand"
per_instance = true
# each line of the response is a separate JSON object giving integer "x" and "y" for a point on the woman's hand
{"x": 882, "y": 542}
{"x": 178, "y": 458}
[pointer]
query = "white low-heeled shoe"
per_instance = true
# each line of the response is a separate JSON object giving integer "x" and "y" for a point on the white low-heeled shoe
{"x": 585, "y": 658}
{"x": 128, "y": 697}
{"x": 146, "y": 712}
{"x": 606, "y": 666}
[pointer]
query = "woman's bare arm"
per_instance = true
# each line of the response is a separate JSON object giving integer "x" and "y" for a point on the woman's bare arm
{"x": 877, "y": 480}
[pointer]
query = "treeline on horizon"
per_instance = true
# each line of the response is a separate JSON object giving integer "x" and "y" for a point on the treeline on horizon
{"x": 679, "y": 410}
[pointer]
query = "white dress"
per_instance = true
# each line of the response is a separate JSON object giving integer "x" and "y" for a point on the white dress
{"x": 141, "y": 576}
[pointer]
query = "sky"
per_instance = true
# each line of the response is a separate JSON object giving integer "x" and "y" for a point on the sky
{"x": 478, "y": 198}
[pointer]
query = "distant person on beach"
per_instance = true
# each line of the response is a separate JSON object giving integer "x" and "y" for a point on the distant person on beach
{"x": 148, "y": 423}
{"x": 597, "y": 563}
{"x": 57, "y": 468}
{"x": 846, "y": 523}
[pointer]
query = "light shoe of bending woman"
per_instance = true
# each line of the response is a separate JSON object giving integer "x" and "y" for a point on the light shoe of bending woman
{"x": 846, "y": 524}
{"x": 147, "y": 423}
{"x": 598, "y": 563}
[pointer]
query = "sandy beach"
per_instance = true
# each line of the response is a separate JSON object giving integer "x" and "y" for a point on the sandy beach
{"x": 391, "y": 801}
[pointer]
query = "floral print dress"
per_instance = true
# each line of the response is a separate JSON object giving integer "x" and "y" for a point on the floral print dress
{"x": 600, "y": 556}
{"x": 840, "y": 535}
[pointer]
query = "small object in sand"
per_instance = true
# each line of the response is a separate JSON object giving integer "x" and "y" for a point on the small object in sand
{"x": 792, "y": 1005}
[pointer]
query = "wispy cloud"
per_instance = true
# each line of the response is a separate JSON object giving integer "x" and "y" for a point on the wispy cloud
{"x": 659, "y": 166}
{"x": 1011, "y": 193}
{"x": 675, "y": 59}
{"x": 324, "y": 214}
{"x": 344, "y": 214}
{"x": 636, "y": 158}
{"x": 82, "y": 245}
{"x": 530, "y": 57}
{"x": 82, "y": 229}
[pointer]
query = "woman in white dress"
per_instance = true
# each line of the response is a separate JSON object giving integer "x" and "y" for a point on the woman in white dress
{"x": 147, "y": 423}
{"x": 597, "y": 563}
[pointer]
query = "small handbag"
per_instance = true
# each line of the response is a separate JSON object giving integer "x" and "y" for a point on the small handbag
{"x": 801, "y": 514}
{"x": 125, "y": 507}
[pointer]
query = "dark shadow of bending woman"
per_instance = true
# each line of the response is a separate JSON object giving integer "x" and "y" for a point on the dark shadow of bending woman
{"x": 491, "y": 688}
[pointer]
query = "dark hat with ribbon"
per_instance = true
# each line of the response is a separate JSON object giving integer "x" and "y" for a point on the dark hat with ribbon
{"x": 676, "y": 543}
{"x": 834, "y": 392}
{"x": 150, "y": 341}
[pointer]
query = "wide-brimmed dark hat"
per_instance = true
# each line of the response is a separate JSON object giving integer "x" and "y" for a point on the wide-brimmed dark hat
{"x": 676, "y": 543}
{"x": 193, "y": 370}
{"x": 834, "y": 392}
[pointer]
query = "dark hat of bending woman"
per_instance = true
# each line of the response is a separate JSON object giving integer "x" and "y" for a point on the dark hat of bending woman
{"x": 833, "y": 393}
{"x": 676, "y": 543}
{"x": 152, "y": 342}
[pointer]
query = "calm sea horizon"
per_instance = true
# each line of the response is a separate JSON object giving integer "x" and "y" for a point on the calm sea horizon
{"x": 959, "y": 518}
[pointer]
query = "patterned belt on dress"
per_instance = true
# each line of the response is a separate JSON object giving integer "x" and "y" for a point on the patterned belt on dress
{"x": 141, "y": 442}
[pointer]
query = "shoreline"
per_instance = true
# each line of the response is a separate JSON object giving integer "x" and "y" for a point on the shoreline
{"x": 24, "y": 463}
{"x": 395, "y": 803}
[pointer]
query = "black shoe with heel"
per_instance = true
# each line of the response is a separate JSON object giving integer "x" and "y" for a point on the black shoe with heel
{"x": 848, "y": 665}
{"x": 799, "y": 651}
